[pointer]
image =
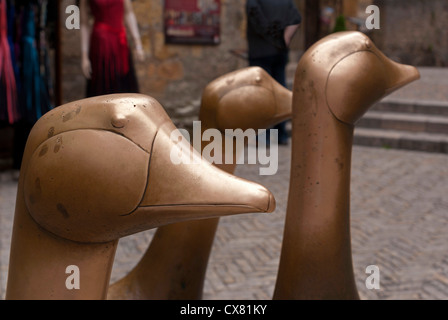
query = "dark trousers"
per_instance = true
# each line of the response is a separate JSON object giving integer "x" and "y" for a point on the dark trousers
{"x": 276, "y": 67}
{"x": 22, "y": 130}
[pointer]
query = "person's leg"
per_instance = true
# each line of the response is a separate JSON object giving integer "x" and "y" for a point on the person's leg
{"x": 279, "y": 74}
{"x": 278, "y": 71}
{"x": 267, "y": 63}
{"x": 22, "y": 130}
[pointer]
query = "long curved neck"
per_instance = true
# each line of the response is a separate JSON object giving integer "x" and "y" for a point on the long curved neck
{"x": 174, "y": 265}
{"x": 316, "y": 261}
{"x": 39, "y": 261}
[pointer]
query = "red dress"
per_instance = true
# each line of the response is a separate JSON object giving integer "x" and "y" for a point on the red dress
{"x": 8, "y": 92}
{"x": 110, "y": 57}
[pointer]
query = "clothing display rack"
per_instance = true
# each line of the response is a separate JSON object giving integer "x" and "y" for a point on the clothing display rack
{"x": 30, "y": 72}
{"x": 27, "y": 43}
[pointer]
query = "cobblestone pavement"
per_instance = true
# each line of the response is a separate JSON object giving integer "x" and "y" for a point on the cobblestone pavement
{"x": 399, "y": 218}
{"x": 399, "y": 221}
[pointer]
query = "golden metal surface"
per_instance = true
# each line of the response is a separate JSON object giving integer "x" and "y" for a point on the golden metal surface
{"x": 244, "y": 99}
{"x": 336, "y": 81}
{"x": 96, "y": 170}
{"x": 62, "y": 219}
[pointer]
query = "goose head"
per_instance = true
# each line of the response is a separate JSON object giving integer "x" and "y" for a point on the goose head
{"x": 349, "y": 72}
{"x": 336, "y": 81}
{"x": 248, "y": 98}
{"x": 99, "y": 169}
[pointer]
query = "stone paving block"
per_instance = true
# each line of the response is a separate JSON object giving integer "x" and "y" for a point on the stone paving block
{"x": 399, "y": 214}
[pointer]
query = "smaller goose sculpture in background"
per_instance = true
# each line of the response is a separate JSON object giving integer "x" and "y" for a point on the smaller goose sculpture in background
{"x": 175, "y": 264}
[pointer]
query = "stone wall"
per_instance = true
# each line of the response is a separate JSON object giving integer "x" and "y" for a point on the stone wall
{"x": 414, "y": 31}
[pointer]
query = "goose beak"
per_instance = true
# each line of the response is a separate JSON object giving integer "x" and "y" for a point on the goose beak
{"x": 193, "y": 188}
{"x": 112, "y": 173}
{"x": 352, "y": 90}
{"x": 401, "y": 75}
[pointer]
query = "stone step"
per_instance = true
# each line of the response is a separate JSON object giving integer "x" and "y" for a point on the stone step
{"x": 404, "y": 122}
{"x": 412, "y": 106}
{"x": 417, "y": 141}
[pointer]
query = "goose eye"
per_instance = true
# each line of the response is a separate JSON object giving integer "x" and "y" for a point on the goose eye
{"x": 368, "y": 44}
{"x": 118, "y": 121}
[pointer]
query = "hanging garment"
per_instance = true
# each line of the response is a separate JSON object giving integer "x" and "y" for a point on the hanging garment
{"x": 44, "y": 53}
{"x": 15, "y": 27}
{"x": 8, "y": 91}
{"x": 34, "y": 89}
{"x": 110, "y": 57}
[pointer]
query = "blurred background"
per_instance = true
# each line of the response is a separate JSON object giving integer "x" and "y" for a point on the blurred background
{"x": 411, "y": 31}
{"x": 399, "y": 199}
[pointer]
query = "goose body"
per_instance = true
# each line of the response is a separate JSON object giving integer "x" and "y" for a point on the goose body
{"x": 244, "y": 99}
{"x": 63, "y": 219}
{"x": 94, "y": 171}
{"x": 336, "y": 81}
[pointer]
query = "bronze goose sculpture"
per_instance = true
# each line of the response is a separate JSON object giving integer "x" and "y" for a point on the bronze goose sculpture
{"x": 336, "y": 81}
{"x": 94, "y": 171}
{"x": 244, "y": 99}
